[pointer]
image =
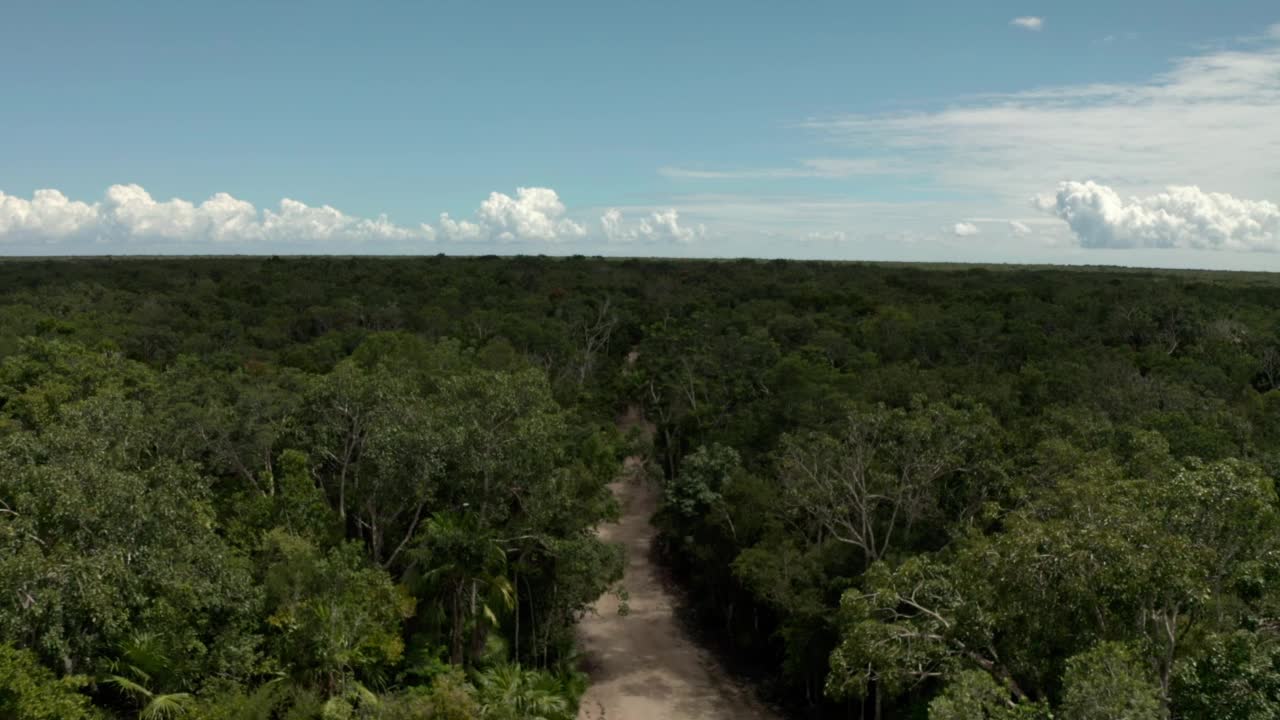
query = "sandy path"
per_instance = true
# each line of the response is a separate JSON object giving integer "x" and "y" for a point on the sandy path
{"x": 642, "y": 666}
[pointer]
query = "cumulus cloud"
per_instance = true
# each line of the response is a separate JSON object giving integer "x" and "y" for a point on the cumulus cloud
{"x": 964, "y": 229}
{"x": 1207, "y": 119}
{"x": 534, "y": 214}
{"x": 659, "y": 226}
{"x": 129, "y": 215}
{"x": 48, "y": 216}
{"x": 1019, "y": 228}
{"x": 1180, "y": 217}
{"x": 1028, "y": 23}
{"x": 461, "y": 230}
{"x": 298, "y": 220}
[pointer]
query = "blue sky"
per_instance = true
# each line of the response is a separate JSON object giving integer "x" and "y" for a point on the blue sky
{"x": 911, "y": 130}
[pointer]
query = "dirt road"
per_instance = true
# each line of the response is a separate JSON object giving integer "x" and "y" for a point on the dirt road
{"x": 642, "y": 666}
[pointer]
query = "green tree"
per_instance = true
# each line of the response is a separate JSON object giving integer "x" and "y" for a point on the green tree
{"x": 102, "y": 540}
{"x": 696, "y": 489}
{"x": 466, "y": 571}
{"x": 1110, "y": 682}
{"x": 886, "y": 472}
{"x": 1233, "y": 676}
{"x": 378, "y": 443}
{"x": 29, "y": 691}
{"x": 449, "y": 697}
{"x": 333, "y": 617}
{"x": 975, "y": 695}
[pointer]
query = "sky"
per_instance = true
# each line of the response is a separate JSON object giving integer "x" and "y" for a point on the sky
{"x": 1135, "y": 133}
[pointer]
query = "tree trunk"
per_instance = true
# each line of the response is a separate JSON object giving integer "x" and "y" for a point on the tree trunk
{"x": 515, "y": 597}
{"x": 475, "y": 620}
{"x": 455, "y": 639}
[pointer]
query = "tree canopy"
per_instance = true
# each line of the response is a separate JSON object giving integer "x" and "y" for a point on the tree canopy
{"x": 368, "y": 488}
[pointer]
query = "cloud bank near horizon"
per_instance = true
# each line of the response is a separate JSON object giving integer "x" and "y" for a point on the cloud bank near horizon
{"x": 129, "y": 218}
{"x": 1181, "y": 218}
{"x": 1128, "y": 161}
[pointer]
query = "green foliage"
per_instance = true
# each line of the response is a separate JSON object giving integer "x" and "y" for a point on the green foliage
{"x": 29, "y": 691}
{"x": 696, "y": 490}
{"x": 450, "y": 697}
{"x": 151, "y": 705}
{"x": 46, "y": 375}
{"x": 1230, "y": 677}
{"x": 975, "y": 695}
{"x": 510, "y": 692}
{"x": 962, "y": 492}
{"x": 103, "y": 541}
{"x": 1110, "y": 682}
{"x": 904, "y": 628}
{"x": 465, "y": 571}
{"x": 885, "y": 473}
{"x": 333, "y": 616}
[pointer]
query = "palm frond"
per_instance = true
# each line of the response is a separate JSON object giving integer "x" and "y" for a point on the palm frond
{"x": 163, "y": 707}
{"x": 129, "y": 687}
{"x": 367, "y": 697}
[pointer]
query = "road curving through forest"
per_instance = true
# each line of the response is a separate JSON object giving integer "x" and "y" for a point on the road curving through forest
{"x": 642, "y": 665}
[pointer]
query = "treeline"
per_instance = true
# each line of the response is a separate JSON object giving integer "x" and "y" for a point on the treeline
{"x": 366, "y": 488}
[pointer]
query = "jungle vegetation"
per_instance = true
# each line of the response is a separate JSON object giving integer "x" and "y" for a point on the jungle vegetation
{"x": 367, "y": 487}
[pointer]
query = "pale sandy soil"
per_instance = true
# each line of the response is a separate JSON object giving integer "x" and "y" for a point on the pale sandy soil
{"x": 642, "y": 665}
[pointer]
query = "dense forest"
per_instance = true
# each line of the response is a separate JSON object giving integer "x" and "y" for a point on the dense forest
{"x": 335, "y": 488}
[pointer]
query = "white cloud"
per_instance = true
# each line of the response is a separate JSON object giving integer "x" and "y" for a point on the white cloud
{"x": 47, "y": 216}
{"x": 223, "y": 218}
{"x": 129, "y": 215}
{"x": 534, "y": 214}
{"x": 1028, "y": 23}
{"x": 964, "y": 229}
{"x": 296, "y": 220}
{"x": 1210, "y": 120}
{"x": 831, "y": 236}
{"x": 611, "y": 223}
{"x": 660, "y": 226}
{"x": 1180, "y": 217}
{"x": 461, "y": 230}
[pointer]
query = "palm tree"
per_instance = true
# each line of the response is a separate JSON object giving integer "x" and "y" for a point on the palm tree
{"x": 152, "y": 705}
{"x": 140, "y": 662}
{"x": 471, "y": 569}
